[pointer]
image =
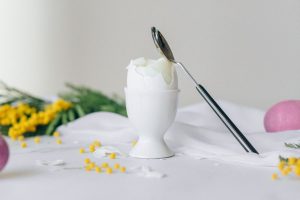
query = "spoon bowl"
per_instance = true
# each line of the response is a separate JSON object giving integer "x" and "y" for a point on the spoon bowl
{"x": 161, "y": 44}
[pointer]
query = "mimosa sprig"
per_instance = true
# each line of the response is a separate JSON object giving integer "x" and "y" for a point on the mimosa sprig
{"x": 24, "y": 115}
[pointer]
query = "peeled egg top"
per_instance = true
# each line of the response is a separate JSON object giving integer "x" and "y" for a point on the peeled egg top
{"x": 148, "y": 74}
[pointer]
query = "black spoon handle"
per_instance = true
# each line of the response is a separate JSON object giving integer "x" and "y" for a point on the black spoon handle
{"x": 226, "y": 120}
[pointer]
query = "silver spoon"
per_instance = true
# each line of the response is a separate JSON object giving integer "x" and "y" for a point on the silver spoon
{"x": 163, "y": 47}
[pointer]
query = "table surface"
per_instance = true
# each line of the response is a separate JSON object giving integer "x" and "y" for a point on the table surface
{"x": 187, "y": 178}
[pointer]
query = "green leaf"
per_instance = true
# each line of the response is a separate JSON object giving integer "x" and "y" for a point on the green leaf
{"x": 79, "y": 110}
{"x": 283, "y": 159}
{"x": 92, "y": 100}
{"x": 71, "y": 115}
{"x": 64, "y": 118}
{"x": 291, "y": 145}
{"x": 52, "y": 126}
{"x": 4, "y": 130}
{"x": 108, "y": 108}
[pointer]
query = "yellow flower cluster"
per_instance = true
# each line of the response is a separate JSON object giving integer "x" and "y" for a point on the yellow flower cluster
{"x": 10, "y": 115}
{"x": 286, "y": 167}
{"x": 89, "y": 166}
{"x": 92, "y": 147}
{"x": 103, "y": 167}
{"x": 23, "y": 118}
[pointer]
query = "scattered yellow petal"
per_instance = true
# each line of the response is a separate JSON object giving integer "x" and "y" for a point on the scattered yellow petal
{"x": 98, "y": 169}
{"x": 37, "y": 140}
{"x": 97, "y": 143}
{"x": 117, "y": 166}
{"x": 58, "y": 141}
{"x": 285, "y": 172}
{"x": 292, "y": 160}
{"x": 92, "y": 165}
{"x": 92, "y": 148}
{"x": 87, "y": 161}
{"x": 281, "y": 165}
{"x": 105, "y": 165}
{"x": 81, "y": 150}
{"x": 112, "y": 156}
{"x": 23, "y": 145}
{"x": 56, "y": 134}
{"x": 297, "y": 171}
{"x": 88, "y": 168}
{"x": 109, "y": 170}
{"x": 274, "y": 176}
{"x": 123, "y": 169}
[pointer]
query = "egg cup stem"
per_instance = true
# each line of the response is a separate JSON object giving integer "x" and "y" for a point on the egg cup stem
{"x": 151, "y": 113}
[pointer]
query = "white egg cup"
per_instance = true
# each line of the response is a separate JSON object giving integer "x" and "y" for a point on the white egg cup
{"x": 152, "y": 113}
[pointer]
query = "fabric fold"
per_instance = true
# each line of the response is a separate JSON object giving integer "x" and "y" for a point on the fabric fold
{"x": 197, "y": 132}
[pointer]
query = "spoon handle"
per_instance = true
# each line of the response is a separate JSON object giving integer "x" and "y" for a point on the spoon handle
{"x": 226, "y": 120}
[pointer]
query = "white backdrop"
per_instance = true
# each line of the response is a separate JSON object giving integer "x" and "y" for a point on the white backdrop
{"x": 243, "y": 51}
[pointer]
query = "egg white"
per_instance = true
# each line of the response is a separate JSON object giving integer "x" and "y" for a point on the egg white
{"x": 148, "y": 74}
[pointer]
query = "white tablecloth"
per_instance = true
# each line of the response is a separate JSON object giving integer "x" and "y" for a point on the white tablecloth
{"x": 186, "y": 177}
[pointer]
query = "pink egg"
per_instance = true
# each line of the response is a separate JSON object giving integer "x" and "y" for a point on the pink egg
{"x": 283, "y": 116}
{"x": 4, "y": 153}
